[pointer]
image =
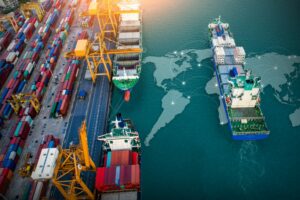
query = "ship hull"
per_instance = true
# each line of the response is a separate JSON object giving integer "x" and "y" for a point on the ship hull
{"x": 247, "y": 137}
{"x": 125, "y": 84}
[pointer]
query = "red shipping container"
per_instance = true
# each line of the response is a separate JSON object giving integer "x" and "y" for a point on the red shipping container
{"x": 65, "y": 85}
{"x": 24, "y": 130}
{"x": 122, "y": 157}
{"x": 21, "y": 113}
{"x": 4, "y": 182}
{"x": 135, "y": 158}
{"x": 22, "y": 143}
{"x": 35, "y": 57}
{"x": 32, "y": 113}
{"x": 65, "y": 105}
{"x": 8, "y": 95}
{"x": 10, "y": 83}
{"x": 16, "y": 84}
{"x": 15, "y": 140}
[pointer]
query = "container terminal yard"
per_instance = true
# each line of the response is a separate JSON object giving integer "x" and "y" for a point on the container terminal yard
{"x": 55, "y": 101}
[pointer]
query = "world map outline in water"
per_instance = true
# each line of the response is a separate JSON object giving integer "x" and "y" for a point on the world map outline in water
{"x": 275, "y": 70}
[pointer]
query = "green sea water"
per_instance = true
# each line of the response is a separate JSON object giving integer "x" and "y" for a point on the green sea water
{"x": 187, "y": 153}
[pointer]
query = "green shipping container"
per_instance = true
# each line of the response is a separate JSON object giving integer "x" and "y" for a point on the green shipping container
{"x": 27, "y": 192}
{"x": 44, "y": 90}
{"x": 18, "y": 129}
{"x": 53, "y": 109}
{"x": 33, "y": 87}
{"x": 25, "y": 55}
{"x": 19, "y": 151}
{"x": 26, "y": 73}
{"x": 16, "y": 74}
{"x": 67, "y": 76}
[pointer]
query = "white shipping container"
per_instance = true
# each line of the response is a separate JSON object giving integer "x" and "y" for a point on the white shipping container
{"x": 27, "y": 29}
{"x": 16, "y": 60}
{"x": 26, "y": 111}
{"x": 77, "y": 72}
{"x": 11, "y": 45}
{"x": 38, "y": 191}
{"x": 29, "y": 68}
{"x": 12, "y": 155}
{"x": 46, "y": 164}
{"x": 36, "y": 24}
{"x": 40, "y": 30}
{"x": 26, "y": 21}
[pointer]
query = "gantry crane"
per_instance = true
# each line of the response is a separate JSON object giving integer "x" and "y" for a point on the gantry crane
{"x": 29, "y": 6}
{"x": 70, "y": 163}
{"x": 98, "y": 52}
{"x": 8, "y": 17}
{"x": 20, "y": 100}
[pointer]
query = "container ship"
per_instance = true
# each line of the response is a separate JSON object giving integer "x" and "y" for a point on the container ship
{"x": 119, "y": 176}
{"x": 127, "y": 67}
{"x": 239, "y": 88}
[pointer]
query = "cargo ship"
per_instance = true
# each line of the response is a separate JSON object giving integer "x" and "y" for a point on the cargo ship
{"x": 127, "y": 67}
{"x": 239, "y": 88}
{"x": 119, "y": 176}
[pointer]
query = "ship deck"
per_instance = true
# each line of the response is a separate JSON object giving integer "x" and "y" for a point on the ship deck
{"x": 247, "y": 121}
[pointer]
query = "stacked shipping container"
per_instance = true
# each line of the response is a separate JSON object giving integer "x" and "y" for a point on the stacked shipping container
{"x": 52, "y": 55}
{"x": 22, "y": 128}
{"x": 27, "y": 63}
{"x": 11, "y": 153}
{"x": 65, "y": 91}
{"x": 16, "y": 46}
{"x": 121, "y": 171}
{"x": 38, "y": 188}
{"x": 11, "y": 56}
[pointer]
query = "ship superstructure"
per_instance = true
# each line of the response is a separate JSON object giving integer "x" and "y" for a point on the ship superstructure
{"x": 239, "y": 88}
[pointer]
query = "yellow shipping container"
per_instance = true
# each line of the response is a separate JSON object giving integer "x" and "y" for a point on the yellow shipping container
{"x": 93, "y": 8}
{"x": 81, "y": 48}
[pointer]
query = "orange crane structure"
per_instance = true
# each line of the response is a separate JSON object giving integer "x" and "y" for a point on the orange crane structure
{"x": 69, "y": 165}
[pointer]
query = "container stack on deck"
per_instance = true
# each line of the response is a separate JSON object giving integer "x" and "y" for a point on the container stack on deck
{"x": 65, "y": 89}
{"x": 121, "y": 171}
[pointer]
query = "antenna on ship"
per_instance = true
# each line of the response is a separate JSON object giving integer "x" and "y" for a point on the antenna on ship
{"x": 219, "y": 19}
